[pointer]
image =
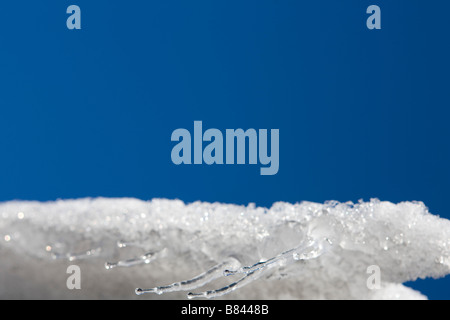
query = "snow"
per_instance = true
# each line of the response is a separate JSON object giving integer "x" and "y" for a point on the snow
{"x": 289, "y": 251}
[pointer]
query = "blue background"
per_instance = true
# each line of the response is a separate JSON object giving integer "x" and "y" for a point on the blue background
{"x": 361, "y": 113}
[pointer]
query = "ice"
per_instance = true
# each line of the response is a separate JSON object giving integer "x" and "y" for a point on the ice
{"x": 212, "y": 250}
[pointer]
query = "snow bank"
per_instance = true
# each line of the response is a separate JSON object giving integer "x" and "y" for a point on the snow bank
{"x": 290, "y": 251}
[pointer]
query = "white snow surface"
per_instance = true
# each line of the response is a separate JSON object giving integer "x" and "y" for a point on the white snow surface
{"x": 289, "y": 251}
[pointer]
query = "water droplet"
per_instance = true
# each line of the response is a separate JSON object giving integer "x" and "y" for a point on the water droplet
{"x": 139, "y": 291}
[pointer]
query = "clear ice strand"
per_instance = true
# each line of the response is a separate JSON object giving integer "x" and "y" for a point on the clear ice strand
{"x": 194, "y": 283}
{"x": 248, "y": 278}
{"x": 144, "y": 259}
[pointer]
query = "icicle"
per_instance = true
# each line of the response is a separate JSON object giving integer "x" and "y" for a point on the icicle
{"x": 124, "y": 244}
{"x": 250, "y": 277}
{"x": 261, "y": 265}
{"x": 196, "y": 282}
{"x": 144, "y": 259}
{"x": 311, "y": 250}
{"x": 77, "y": 256}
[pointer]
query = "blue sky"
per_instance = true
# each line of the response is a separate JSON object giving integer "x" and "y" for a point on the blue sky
{"x": 361, "y": 114}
